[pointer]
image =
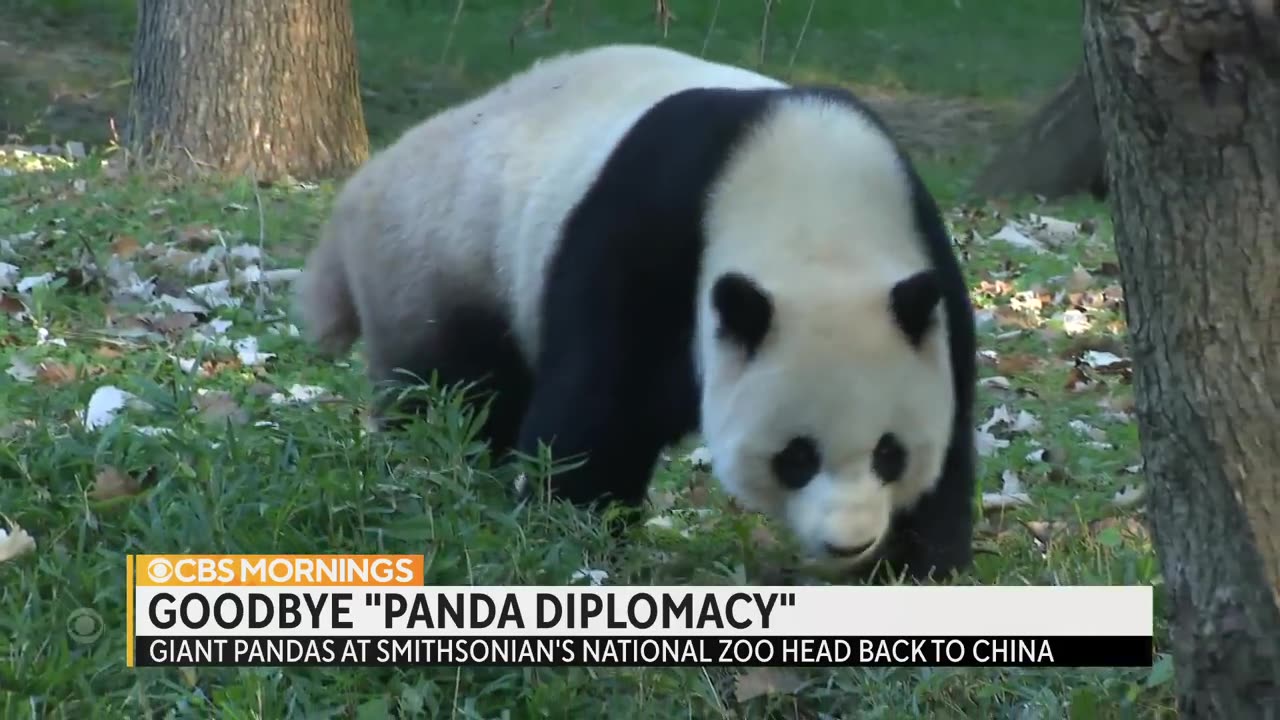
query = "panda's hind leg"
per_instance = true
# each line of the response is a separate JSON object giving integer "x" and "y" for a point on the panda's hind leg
{"x": 468, "y": 344}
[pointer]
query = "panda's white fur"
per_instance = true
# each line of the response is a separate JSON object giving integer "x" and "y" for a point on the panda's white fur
{"x": 810, "y": 200}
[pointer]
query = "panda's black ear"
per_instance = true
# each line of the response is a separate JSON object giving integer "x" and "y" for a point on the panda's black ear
{"x": 912, "y": 302}
{"x": 745, "y": 311}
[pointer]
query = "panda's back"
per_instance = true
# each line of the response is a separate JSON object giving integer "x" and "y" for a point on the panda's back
{"x": 536, "y": 145}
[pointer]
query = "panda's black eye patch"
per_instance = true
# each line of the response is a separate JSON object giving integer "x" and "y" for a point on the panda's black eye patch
{"x": 797, "y": 463}
{"x": 889, "y": 459}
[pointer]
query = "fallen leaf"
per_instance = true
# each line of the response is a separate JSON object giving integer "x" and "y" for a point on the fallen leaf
{"x": 1118, "y": 528}
{"x": 1077, "y": 380}
{"x": 247, "y": 349}
{"x": 996, "y": 381}
{"x": 1079, "y": 280}
{"x": 105, "y": 403}
{"x": 209, "y": 368}
{"x": 219, "y": 407}
{"x": 1017, "y": 363}
{"x": 987, "y": 444}
{"x": 1010, "y": 495}
{"x": 1013, "y": 235}
{"x": 110, "y": 483}
{"x": 1129, "y": 496}
{"x": 8, "y": 275}
{"x": 124, "y": 246}
{"x": 1075, "y": 322}
{"x": 108, "y": 351}
{"x": 175, "y": 323}
{"x": 27, "y": 284}
{"x": 300, "y": 393}
{"x": 14, "y": 542}
{"x": 1044, "y": 531}
{"x": 760, "y": 681}
{"x": 594, "y": 577}
{"x": 11, "y": 305}
{"x": 1088, "y": 430}
{"x": 1009, "y": 317}
{"x": 197, "y": 236}
{"x": 21, "y": 370}
{"x": 51, "y": 372}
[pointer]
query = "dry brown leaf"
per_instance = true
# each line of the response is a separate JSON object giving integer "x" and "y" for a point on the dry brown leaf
{"x": 761, "y": 681}
{"x": 219, "y": 407}
{"x": 108, "y": 351}
{"x": 1079, "y": 280}
{"x": 1017, "y": 364}
{"x": 1077, "y": 380}
{"x": 125, "y": 246}
{"x": 1129, "y": 526}
{"x": 51, "y": 372}
{"x": 209, "y": 368}
{"x": 1008, "y": 317}
{"x": 995, "y": 288}
{"x": 197, "y": 236}
{"x": 1044, "y": 530}
{"x": 11, "y": 305}
{"x": 111, "y": 483}
{"x": 174, "y": 323}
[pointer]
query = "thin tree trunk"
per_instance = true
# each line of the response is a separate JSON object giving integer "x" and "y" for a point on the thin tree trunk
{"x": 1188, "y": 94}
{"x": 1056, "y": 153}
{"x": 262, "y": 87}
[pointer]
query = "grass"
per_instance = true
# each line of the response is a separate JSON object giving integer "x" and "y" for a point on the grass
{"x": 236, "y": 471}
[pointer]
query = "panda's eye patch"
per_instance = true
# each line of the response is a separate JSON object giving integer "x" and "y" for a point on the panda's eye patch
{"x": 889, "y": 459}
{"x": 797, "y": 463}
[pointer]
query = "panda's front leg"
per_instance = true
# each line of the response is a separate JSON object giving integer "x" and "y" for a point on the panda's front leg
{"x": 935, "y": 538}
{"x": 583, "y": 411}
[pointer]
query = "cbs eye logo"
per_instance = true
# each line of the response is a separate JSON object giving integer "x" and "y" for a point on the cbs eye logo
{"x": 159, "y": 570}
{"x": 84, "y": 626}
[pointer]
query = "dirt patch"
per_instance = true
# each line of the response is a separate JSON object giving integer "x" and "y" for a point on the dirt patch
{"x": 55, "y": 89}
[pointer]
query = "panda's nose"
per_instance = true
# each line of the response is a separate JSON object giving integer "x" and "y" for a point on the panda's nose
{"x": 847, "y": 551}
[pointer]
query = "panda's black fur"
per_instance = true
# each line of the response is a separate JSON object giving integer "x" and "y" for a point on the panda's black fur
{"x": 615, "y": 375}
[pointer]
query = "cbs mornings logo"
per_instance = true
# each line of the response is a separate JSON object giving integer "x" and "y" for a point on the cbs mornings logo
{"x": 159, "y": 570}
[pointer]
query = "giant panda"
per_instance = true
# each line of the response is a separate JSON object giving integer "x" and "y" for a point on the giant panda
{"x": 629, "y": 244}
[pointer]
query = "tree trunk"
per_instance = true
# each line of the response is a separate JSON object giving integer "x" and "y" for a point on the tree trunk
{"x": 1188, "y": 94}
{"x": 259, "y": 87}
{"x": 1056, "y": 153}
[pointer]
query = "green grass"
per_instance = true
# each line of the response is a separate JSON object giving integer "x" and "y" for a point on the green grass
{"x": 304, "y": 477}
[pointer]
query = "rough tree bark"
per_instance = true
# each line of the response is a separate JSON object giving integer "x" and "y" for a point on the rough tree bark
{"x": 247, "y": 87}
{"x": 1188, "y": 94}
{"x": 1057, "y": 152}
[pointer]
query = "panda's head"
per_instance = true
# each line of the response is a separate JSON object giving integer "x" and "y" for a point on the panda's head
{"x": 828, "y": 408}
{"x": 827, "y": 391}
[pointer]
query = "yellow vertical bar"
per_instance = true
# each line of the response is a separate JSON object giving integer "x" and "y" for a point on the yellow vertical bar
{"x": 128, "y": 613}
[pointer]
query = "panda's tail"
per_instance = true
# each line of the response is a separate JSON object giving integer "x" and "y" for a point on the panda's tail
{"x": 323, "y": 300}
